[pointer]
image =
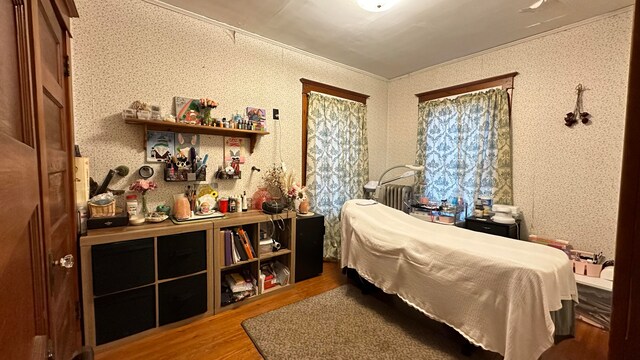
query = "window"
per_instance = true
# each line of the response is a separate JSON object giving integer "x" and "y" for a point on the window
{"x": 465, "y": 142}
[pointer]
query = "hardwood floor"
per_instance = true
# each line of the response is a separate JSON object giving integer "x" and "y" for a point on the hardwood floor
{"x": 222, "y": 337}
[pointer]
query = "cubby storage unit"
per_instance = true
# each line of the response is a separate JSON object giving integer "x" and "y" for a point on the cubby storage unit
{"x": 138, "y": 279}
{"x": 252, "y": 222}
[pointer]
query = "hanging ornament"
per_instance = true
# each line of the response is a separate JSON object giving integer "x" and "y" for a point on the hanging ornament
{"x": 578, "y": 114}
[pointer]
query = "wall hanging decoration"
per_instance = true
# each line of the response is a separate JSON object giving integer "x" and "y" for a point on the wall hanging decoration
{"x": 578, "y": 113}
{"x": 233, "y": 149}
{"x": 160, "y": 145}
{"x": 194, "y": 111}
{"x": 184, "y": 143}
{"x": 258, "y": 117}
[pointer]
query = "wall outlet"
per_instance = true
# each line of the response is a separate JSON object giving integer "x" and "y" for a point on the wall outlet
{"x": 276, "y": 114}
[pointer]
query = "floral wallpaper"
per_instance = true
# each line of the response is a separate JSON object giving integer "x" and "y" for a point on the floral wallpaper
{"x": 126, "y": 50}
{"x": 566, "y": 181}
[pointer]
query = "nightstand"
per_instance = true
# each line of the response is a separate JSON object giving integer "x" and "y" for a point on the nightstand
{"x": 489, "y": 226}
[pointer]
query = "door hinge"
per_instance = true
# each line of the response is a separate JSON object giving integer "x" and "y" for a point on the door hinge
{"x": 67, "y": 70}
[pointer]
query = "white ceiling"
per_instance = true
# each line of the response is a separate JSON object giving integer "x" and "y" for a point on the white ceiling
{"x": 412, "y": 35}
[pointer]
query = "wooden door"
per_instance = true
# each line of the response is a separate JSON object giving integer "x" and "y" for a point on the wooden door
{"x": 624, "y": 340}
{"x": 55, "y": 145}
{"x": 23, "y": 308}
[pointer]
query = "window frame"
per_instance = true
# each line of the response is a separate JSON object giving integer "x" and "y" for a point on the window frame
{"x": 504, "y": 81}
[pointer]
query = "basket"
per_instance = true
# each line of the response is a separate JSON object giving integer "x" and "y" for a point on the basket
{"x": 98, "y": 211}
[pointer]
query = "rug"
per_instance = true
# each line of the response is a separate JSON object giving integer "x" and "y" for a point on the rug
{"x": 345, "y": 324}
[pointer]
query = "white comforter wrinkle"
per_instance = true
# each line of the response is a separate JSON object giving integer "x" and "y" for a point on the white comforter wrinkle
{"x": 497, "y": 292}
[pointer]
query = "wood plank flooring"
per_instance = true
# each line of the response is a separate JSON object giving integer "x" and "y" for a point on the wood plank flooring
{"x": 222, "y": 337}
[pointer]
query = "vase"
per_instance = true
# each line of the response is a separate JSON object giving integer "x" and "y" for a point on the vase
{"x": 145, "y": 210}
{"x": 303, "y": 208}
{"x": 296, "y": 204}
{"x": 260, "y": 196}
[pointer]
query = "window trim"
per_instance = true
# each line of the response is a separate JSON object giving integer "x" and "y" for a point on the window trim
{"x": 309, "y": 86}
{"x": 504, "y": 81}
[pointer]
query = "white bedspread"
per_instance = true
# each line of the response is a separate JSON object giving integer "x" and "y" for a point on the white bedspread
{"x": 495, "y": 291}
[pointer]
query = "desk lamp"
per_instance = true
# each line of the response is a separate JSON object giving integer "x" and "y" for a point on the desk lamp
{"x": 372, "y": 186}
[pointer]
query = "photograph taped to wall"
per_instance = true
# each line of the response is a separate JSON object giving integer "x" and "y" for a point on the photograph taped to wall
{"x": 160, "y": 146}
{"x": 184, "y": 143}
{"x": 233, "y": 149}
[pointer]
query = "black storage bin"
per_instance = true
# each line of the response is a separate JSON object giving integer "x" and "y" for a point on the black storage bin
{"x": 122, "y": 265}
{"x": 309, "y": 246}
{"x": 182, "y": 254}
{"x": 182, "y": 299}
{"x": 491, "y": 227}
{"x": 126, "y": 313}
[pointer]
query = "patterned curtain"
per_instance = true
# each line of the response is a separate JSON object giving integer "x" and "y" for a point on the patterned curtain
{"x": 465, "y": 144}
{"x": 337, "y": 160}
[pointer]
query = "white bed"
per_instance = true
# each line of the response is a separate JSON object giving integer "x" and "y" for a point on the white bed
{"x": 497, "y": 292}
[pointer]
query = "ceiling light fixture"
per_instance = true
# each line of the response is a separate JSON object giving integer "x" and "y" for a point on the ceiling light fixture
{"x": 376, "y": 5}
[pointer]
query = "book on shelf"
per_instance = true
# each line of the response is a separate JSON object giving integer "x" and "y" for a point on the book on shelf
{"x": 247, "y": 244}
{"x": 235, "y": 255}
{"x": 228, "y": 258}
{"x": 237, "y": 247}
{"x": 240, "y": 247}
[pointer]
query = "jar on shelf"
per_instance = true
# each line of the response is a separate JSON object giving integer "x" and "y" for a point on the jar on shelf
{"x": 132, "y": 205}
{"x": 181, "y": 207}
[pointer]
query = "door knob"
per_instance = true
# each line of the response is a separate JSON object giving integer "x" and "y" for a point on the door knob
{"x": 65, "y": 262}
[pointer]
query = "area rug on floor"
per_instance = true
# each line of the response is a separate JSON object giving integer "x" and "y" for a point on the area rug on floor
{"x": 345, "y": 324}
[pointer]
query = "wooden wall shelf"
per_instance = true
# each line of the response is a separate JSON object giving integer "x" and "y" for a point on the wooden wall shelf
{"x": 158, "y": 125}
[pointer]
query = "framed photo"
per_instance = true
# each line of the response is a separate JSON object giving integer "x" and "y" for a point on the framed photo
{"x": 187, "y": 110}
{"x": 183, "y": 144}
{"x": 160, "y": 146}
{"x": 233, "y": 150}
{"x": 255, "y": 114}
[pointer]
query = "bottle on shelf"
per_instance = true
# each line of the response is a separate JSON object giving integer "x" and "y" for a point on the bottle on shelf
{"x": 244, "y": 201}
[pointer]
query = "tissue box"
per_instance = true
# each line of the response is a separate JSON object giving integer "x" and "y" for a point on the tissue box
{"x": 266, "y": 246}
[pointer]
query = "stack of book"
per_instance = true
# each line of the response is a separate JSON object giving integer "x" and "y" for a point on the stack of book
{"x": 238, "y": 286}
{"x": 237, "y": 246}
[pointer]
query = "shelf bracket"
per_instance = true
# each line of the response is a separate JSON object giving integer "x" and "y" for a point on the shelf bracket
{"x": 252, "y": 142}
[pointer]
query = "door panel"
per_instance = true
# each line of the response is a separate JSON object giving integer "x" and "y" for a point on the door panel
{"x": 50, "y": 42}
{"x": 57, "y": 201}
{"x": 53, "y": 124}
